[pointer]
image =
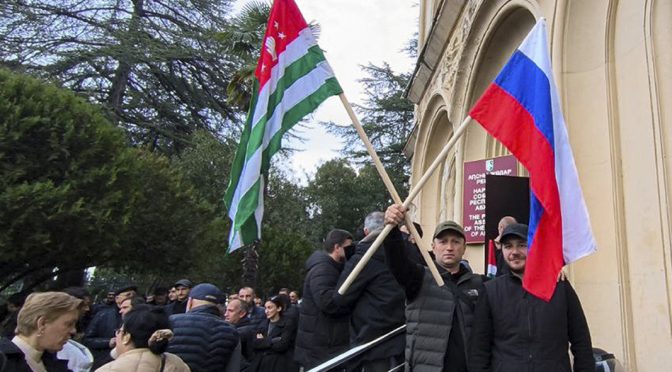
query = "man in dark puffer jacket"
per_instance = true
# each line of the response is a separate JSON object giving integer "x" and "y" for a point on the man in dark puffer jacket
{"x": 202, "y": 338}
{"x": 323, "y": 325}
{"x": 438, "y": 319}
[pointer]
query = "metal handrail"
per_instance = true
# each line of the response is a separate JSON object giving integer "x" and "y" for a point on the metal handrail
{"x": 357, "y": 351}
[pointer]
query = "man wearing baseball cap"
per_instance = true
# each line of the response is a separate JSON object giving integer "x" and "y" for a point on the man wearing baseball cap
{"x": 203, "y": 340}
{"x": 525, "y": 332}
{"x": 182, "y": 288}
{"x": 438, "y": 319}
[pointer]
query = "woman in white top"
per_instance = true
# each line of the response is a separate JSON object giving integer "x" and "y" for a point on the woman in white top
{"x": 45, "y": 323}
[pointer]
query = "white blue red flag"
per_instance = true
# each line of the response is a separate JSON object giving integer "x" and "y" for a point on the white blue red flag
{"x": 521, "y": 109}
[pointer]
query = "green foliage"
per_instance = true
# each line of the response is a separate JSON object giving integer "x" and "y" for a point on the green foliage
{"x": 206, "y": 165}
{"x": 242, "y": 38}
{"x": 341, "y": 197}
{"x": 156, "y": 65}
{"x": 281, "y": 259}
{"x": 73, "y": 194}
{"x": 286, "y": 205}
{"x": 387, "y": 118}
{"x": 63, "y": 178}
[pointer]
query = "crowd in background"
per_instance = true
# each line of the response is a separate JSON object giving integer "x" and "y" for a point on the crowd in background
{"x": 198, "y": 328}
{"x": 469, "y": 324}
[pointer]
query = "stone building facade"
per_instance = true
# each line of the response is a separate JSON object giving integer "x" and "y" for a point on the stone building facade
{"x": 613, "y": 66}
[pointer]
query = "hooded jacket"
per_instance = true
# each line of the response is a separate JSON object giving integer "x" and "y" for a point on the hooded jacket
{"x": 323, "y": 325}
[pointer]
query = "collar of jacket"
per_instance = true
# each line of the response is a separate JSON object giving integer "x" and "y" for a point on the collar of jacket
{"x": 245, "y": 321}
{"x": 206, "y": 309}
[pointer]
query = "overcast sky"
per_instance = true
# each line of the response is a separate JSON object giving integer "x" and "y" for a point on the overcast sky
{"x": 353, "y": 33}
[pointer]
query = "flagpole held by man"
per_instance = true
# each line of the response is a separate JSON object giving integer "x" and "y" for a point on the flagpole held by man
{"x": 521, "y": 109}
{"x": 292, "y": 79}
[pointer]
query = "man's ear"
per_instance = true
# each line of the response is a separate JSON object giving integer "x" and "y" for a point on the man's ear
{"x": 189, "y": 303}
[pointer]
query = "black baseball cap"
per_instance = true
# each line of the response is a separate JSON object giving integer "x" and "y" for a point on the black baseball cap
{"x": 183, "y": 283}
{"x": 125, "y": 288}
{"x": 514, "y": 230}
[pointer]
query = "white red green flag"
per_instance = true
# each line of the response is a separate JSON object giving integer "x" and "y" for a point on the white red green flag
{"x": 492, "y": 262}
{"x": 292, "y": 79}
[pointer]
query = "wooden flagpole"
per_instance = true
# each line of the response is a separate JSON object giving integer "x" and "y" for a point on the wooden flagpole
{"x": 411, "y": 195}
{"x": 390, "y": 188}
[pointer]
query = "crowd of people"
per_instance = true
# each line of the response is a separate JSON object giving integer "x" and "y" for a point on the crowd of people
{"x": 471, "y": 323}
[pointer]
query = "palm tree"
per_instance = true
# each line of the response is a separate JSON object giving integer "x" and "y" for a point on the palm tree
{"x": 242, "y": 37}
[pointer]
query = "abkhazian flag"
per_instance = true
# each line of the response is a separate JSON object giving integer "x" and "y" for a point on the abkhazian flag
{"x": 492, "y": 261}
{"x": 521, "y": 109}
{"x": 292, "y": 79}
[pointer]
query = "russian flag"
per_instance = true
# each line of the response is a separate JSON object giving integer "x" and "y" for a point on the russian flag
{"x": 521, "y": 109}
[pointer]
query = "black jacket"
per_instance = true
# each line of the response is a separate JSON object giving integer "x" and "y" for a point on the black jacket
{"x": 275, "y": 351}
{"x": 256, "y": 315}
{"x": 203, "y": 339}
{"x": 323, "y": 326}
{"x": 514, "y": 330}
{"x": 16, "y": 360}
{"x": 99, "y": 332}
{"x": 432, "y": 310}
{"x": 177, "y": 307}
{"x": 377, "y": 301}
{"x": 246, "y": 331}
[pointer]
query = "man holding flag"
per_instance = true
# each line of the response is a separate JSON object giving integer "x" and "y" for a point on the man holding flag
{"x": 439, "y": 319}
{"x": 526, "y": 319}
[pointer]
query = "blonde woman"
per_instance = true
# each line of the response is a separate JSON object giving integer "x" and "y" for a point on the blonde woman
{"x": 45, "y": 323}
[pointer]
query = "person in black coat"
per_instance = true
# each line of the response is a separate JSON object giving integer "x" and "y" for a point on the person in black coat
{"x": 433, "y": 310}
{"x": 45, "y": 324}
{"x": 514, "y": 330}
{"x": 377, "y": 300}
{"x": 323, "y": 325}
{"x": 182, "y": 289}
{"x": 202, "y": 338}
{"x": 236, "y": 315}
{"x": 16, "y": 359}
{"x": 274, "y": 341}
{"x": 99, "y": 335}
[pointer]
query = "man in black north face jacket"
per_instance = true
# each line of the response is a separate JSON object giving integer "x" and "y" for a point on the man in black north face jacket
{"x": 514, "y": 330}
{"x": 323, "y": 325}
{"x": 203, "y": 340}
